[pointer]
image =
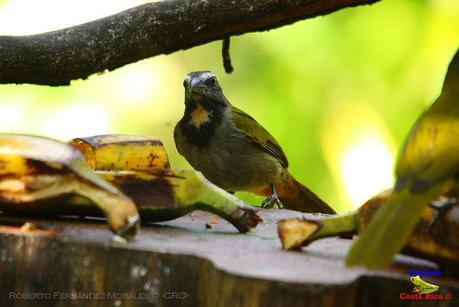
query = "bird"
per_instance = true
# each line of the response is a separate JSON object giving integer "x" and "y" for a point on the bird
{"x": 427, "y": 166}
{"x": 234, "y": 151}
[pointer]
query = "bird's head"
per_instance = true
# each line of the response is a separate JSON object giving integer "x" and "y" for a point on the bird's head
{"x": 203, "y": 86}
{"x": 204, "y": 99}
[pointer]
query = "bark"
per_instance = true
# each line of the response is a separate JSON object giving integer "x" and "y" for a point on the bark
{"x": 56, "y": 58}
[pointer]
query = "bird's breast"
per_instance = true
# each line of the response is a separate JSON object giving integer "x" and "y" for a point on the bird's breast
{"x": 200, "y": 116}
{"x": 199, "y": 124}
{"x": 229, "y": 161}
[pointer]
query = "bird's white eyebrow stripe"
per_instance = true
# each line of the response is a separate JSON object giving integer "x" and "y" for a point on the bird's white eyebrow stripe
{"x": 207, "y": 75}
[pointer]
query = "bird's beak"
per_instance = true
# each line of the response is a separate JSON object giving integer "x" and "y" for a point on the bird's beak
{"x": 194, "y": 82}
{"x": 197, "y": 89}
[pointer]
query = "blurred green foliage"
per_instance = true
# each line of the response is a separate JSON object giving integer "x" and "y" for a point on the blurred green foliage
{"x": 388, "y": 58}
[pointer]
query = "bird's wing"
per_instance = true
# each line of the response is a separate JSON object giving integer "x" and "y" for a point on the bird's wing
{"x": 430, "y": 152}
{"x": 257, "y": 135}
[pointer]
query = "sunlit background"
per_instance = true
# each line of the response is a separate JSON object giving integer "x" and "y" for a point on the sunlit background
{"x": 338, "y": 92}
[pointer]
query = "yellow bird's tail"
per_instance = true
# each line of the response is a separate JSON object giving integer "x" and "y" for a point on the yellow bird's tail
{"x": 390, "y": 228}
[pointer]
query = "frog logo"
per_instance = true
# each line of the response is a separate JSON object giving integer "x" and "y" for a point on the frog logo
{"x": 421, "y": 286}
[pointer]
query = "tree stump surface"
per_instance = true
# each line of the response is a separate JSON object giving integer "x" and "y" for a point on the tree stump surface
{"x": 184, "y": 263}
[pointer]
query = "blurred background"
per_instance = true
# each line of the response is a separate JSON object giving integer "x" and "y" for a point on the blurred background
{"x": 338, "y": 92}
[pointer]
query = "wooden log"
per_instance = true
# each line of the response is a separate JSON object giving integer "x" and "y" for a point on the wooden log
{"x": 185, "y": 263}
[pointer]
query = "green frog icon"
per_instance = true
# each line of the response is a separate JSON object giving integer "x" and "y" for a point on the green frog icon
{"x": 421, "y": 286}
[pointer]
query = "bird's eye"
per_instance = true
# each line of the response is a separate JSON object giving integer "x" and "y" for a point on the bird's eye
{"x": 212, "y": 81}
{"x": 185, "y": 83}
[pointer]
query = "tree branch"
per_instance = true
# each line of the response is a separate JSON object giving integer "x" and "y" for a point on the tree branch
{"x": 56, "y": 58}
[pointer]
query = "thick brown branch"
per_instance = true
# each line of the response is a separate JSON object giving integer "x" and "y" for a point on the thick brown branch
{"x": 56, "y": 58}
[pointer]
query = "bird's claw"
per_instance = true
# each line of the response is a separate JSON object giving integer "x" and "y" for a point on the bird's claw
{"x": 271, "y": 201}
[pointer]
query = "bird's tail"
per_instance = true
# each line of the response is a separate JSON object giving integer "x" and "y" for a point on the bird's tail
{"x": 389, "y": 230}
{"x": 296, "y": 196}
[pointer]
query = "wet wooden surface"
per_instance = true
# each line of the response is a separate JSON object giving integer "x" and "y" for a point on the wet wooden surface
{"x": 185, "y": 263}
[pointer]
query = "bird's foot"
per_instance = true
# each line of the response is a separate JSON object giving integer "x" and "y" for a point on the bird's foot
{"x": 271, "y": 201}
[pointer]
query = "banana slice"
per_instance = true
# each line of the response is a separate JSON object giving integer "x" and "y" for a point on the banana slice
{"x": 37, "y": 172}
{"x": 122, "y": 152}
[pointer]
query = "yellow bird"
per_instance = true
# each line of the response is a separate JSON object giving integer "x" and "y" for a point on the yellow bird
{"x": 428, "y": 166}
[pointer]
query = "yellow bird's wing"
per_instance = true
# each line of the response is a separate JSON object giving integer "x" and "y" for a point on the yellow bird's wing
{"x": 431, "y": 152}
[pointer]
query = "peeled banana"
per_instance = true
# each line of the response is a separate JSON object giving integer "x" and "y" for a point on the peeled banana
{"x": 122, "y": 152}
{"x": 37, "y": 171}
{"x": 435, "y": 237}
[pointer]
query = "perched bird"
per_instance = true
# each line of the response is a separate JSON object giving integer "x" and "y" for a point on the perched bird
{"x": 234, "y": 151}
{"x": 428, "y": 166}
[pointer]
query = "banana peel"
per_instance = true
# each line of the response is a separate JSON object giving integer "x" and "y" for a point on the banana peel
{"x": 435, "y": 237}
{"x": 139, "y": 167}
{"x": 133, "y": 167}
{"x": 162, "y": 195}
{"x": 34, "y": 170}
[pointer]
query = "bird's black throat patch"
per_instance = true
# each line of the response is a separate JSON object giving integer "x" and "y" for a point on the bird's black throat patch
{"x": 201, "y": 135}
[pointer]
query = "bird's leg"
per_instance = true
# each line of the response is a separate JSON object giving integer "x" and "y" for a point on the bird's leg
{"x": 272, "y": 199}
